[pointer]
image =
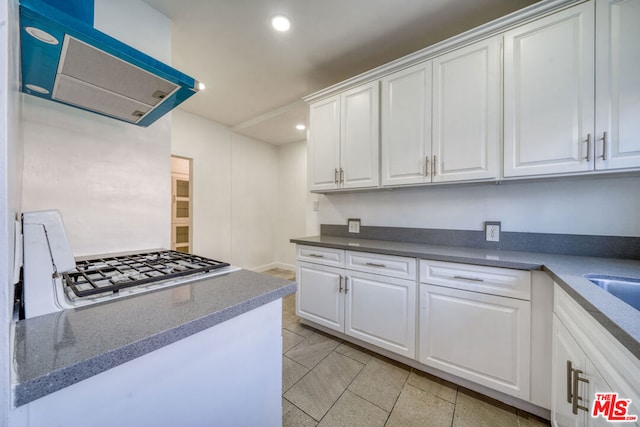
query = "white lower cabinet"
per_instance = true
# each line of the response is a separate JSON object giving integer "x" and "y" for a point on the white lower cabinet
{"x": 588, "y": 360}
{"x": 319, "y": 297}
{"x": 576, "y": 380}
{"x": 477, "y": 336}
{"x": 381, "y": 311}
{"x": 374, "y": 308}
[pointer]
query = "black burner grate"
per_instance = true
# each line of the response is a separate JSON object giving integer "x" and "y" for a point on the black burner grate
{"x": 110, "y": 274}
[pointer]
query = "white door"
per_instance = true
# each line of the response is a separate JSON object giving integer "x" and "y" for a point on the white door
{"x": 381, "y": 311}
{"x": 324, "y": 144}
{"x": 406, "y": 126}
{"x": 565, "y": 350}
{"x": 359, "y": 137}
{"x": 467, "y": 95}
{"x": 549, "y": 94}
{"x": 320, "y": 295}
{"x": 617, "y": 86}
{"x": 479, "y": 337}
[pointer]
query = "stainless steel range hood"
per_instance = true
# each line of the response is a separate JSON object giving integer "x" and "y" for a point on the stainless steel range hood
{"x": 65, "y": 59}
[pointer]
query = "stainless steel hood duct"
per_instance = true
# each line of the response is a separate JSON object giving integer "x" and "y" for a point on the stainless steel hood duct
{"x": 65, "y": 59}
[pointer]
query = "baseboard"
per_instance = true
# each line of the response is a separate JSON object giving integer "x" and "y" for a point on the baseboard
{"x": 280, "y": 265}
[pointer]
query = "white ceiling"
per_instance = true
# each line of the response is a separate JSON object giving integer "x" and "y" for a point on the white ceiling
{"x": 256, "y": 77}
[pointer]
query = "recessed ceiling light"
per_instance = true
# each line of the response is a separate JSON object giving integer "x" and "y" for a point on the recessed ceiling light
{"x": 300, "y": 126}
{"x": 281, "y": 23}
{"x": 201, "y": 86}
{"x": 43, "y": 36}
{"x": 36, "y": 88}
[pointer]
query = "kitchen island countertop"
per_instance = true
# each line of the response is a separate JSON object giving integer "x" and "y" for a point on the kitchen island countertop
{"x": 617, "y": 317}
{"x": 57, "y": 350}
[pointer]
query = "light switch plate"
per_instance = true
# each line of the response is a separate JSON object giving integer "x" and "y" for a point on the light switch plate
{"x": 492, "y": 231}
{"x": 316, "y": 205}
{"x": 354, "y": 225}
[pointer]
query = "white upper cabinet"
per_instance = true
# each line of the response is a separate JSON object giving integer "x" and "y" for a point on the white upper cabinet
{"x": 549, "y": 94}
{"x": 555, "y": 94}
{"x": 324, "y": 144}
{"x": 466, "y": 112}
{"x": 344, "y": 140}
{"x": 617, "y": 86}
{"x": 359, "y": 137}
{"x": 406, "y": 126}
{"x": 441, "y": 118}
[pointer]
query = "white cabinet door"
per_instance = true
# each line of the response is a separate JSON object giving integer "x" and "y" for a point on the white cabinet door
{"x": 319, "y": 297}
{"x": 565, "y": 350}
{"x": 479, "y": 337}
{"x": 381, "y": 311}
{"x": 324, "y": 144}
{"x": 359, "y": 137}
{"x": 617, "y": 87}
{"x": 406, "y": 126}
{"x": 466, "y": 112}
{"x": 549, "y": 94}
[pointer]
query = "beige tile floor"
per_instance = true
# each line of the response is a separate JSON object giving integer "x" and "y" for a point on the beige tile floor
{"x": 330, "y": 382}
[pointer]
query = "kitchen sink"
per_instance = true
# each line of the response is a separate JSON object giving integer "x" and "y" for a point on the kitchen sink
{"x": 624, "y": 288}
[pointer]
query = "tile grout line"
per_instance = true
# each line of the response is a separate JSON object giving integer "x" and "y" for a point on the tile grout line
{"x": 347, "y": 387}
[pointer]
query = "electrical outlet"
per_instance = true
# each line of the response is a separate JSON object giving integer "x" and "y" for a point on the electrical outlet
{"x": 492, "y": 231}
{"x": 354, "y": 225}
{"x": 316, "y": 205}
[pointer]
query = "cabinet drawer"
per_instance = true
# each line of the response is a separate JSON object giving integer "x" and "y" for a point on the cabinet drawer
{"x": 384, "y": 265}
{"x": 318, "y": 255}
{"x": 488, "y": 280}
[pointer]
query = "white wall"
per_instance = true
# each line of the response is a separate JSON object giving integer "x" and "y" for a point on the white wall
{"x": 10, "y": 183}
{"x": 292, "y": 200}
{"x": 235, "y": 191}
{"x": 110, "y": 179}
{"x": 135, "y": 23}
{"x": 254, "y": 198}
{"x": 597, "y": 206}
{"x": 209, "y": 145}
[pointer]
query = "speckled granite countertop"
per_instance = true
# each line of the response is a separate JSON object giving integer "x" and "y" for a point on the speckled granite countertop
{"x": 60, "y": 349}
{"x": 619, "y": 318}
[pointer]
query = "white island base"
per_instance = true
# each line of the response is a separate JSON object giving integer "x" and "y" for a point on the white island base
{"x": 227, "y": 375}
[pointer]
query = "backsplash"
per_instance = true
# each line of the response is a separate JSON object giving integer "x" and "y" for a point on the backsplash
{"x": 563, "y": 244}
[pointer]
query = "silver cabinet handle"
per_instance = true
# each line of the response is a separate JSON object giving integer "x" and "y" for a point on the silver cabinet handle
{"x": 569, "y": 386}
{"x": 316, "y": 256}
{"x": 576, "y": 378}
{"x": 373, "y": 264}
{"x": 335, "y": 175}
{"x": 473, "y": 279}
{"x": 346, "y": 287}
{"x": 341, "y": 175}
{"x": 340, "y": 285}
{"x": 435, "y": 165}
{"x": 426, "y": 166}
{"x": 604, "y": 146}
{"x": 588, "y": 141}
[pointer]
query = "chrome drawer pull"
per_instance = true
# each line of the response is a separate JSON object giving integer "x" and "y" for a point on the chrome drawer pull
{"x": 316, "y": 256}
{"x": 373, "y": 264}
{"x": 569, "y": 379}
{"x": 576, "y": 397}
{"x": 604, "y": 146}
{"x": 473, "y": 279}
{"x": 588, "y": 141}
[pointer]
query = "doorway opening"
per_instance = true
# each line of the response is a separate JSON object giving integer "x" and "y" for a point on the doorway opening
{"x": 181, "y": 204}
